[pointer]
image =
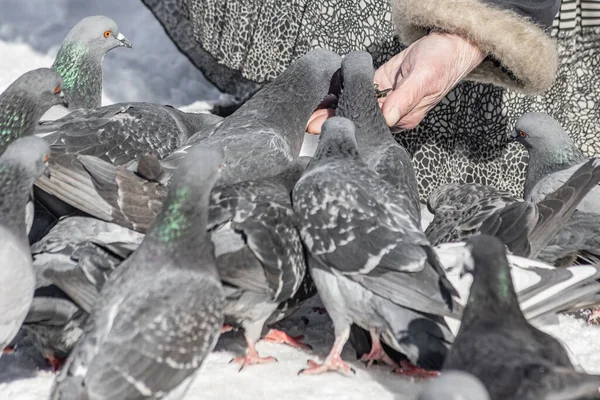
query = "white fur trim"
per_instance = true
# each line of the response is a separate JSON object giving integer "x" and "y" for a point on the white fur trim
{"x": 521, "y": 46}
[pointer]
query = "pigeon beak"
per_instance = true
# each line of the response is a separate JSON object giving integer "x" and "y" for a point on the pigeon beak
{"x": 47, "y": 172}
{"x": 124, "y": 42}
{"x": 63, "y": 98}
{"x": 513, "y": 135}
{"x": 463, "y": 272}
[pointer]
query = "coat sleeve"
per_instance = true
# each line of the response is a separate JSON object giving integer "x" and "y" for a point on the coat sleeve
{"x": 514, "y": 34}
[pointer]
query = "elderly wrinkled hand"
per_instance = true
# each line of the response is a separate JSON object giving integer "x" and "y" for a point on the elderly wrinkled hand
{"x": 419, "y": 77}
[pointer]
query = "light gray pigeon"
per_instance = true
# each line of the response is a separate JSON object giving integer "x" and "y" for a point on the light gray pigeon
{"x": 161, "y": 313}
{"x": 21, "y": 164}
{"x": 495, "y": 342}
{"x": 119, "y": 134}
{"x": 377, "y": 147}
{"x": 370, "y": 261}
{"x": 260, "y": 257}
{"x": 553, "y": 158}
{"x": 454, "y": 385}
{"x": 25, "y": 101}
{"x": 260, "y": 139}
{"x": 462, "y": 210}
{"x": 79, "y": 59}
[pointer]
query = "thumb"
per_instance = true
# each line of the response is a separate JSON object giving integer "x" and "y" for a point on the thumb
{"x": 407, "y": 94}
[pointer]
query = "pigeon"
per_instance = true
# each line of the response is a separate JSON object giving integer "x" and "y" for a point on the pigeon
{"x": 25, "y": 101}
{"x": 495, "y": 342}
{"x": 22, "y": 163}
{"x": 553, "y": 158}
{"x": 379, "y": 150}
{"x": 542, "y": 289}
{"x": 578, "y": 237}
{"x": 454, "y": 385}
{"x": 72, "y": 263}
{"x": 371, "y": 263}
{"x": 79, "y": 59}
{"x": 259, "y": 253}
{"x": 259, "y": 140}
{"x": 462, "y": 210}
{"x": 167, "y": 299}
{"x": 119, "y": 134}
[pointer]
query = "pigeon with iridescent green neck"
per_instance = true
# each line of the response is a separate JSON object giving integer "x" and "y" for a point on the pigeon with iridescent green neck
{"x": 25, "y": 101}
{"x": 161, "y": 313}
{"x": 79, "y": 60}
{"x": 20, "y": 165}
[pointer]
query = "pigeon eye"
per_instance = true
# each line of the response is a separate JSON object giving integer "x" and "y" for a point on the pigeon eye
{"x": 57, "y": 90}
{"x": 523, "y": 134}
{"x": 107, "y": 34}
{"x": 46, "y": 157}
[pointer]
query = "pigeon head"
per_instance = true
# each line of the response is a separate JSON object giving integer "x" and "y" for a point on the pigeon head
{"x": 30, "y": 155}
{"x": 454, "y": 385}
{"x": 539, "y": 131}
{"x": 337, "y": 139}
{"x": 42, "y": 87}
{"x": 98, "y": 34}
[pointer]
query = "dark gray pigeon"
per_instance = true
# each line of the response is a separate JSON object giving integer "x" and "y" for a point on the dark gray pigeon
{"x": 259, "y": 254}
{"x": 25, "y": 101}
{"x": 119, "y": 134}
{"x": 462, "y": 210}
{"x": 167, "y": 300}
{"x": 495, "y": 342}
{"x": 370, "y": 261}
{"x": 377, "y": 147}
{"x": 79, "y": 60}
{"x": 553, "y": 158}
{"x": 21, "y": 164}
{"x": 259, "y": 140}
{"x": 454, "y": 385}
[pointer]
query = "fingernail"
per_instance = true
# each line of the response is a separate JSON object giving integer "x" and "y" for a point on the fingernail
{"x": 392, "y": 116}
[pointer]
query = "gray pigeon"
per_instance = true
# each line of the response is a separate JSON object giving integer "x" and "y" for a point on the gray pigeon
{"x": 377, "y": 147}
{"x": 25, "y": 101}
{"x": 553, "y": 158}
{"x": 259, "y": 253}
{"x": 454, "y": 385}
{"x": 79, "y": 60}
{"x": 462, "y": 210}
{"x": 160, "y": 314}
{"x": 72, "y": 263}
{"x": 495, "y": 342}
{"x": 119, "y": 134}
{"x": 21, "y": 164}
{"x": 259, "y": 140}
{"x": 370, "y": 261}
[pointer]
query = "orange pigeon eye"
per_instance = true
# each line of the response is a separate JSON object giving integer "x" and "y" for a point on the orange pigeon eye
{"x": 46, "y": 157}
{"x": 107, "y": 34}
{"x": 523, "y": 134}
{"x": 56, "y": 90}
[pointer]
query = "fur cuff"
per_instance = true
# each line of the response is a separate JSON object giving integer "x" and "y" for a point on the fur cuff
{"x": 526, "y": 57}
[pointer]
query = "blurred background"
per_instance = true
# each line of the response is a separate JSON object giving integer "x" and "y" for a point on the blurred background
{"x": 31, "y": 32}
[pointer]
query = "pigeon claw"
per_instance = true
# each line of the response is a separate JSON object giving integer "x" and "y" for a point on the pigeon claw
{"x": 226, "y": 328}
{"x": 330, "y": 364}
{"x": 277, "y": 336}
{"x": 409, "y": 369}
{"x": 252, "y": 359}
{"x": 8, "y": 350}
{"x": 378, "y": 354}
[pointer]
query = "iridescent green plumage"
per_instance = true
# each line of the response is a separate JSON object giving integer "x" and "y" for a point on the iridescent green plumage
{"x": 174, "y": 223}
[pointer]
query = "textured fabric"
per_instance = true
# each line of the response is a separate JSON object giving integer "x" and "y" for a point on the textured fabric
{"x": 464, "y": 138}
{"x": 541, "y": 12}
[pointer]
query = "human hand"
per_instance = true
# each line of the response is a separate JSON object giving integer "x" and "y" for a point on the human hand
{"x": 421, "y": 75}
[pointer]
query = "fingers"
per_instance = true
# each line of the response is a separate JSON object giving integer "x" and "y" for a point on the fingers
{"x": 399, "y": 104}
{"x": 317, "y": 119}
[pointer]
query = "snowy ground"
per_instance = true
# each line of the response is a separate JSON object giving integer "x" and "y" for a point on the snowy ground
{"x": 154, "y": 71}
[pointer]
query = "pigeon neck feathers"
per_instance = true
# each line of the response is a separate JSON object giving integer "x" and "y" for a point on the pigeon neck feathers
{"x": 18, "y": 115}
{"x": 544, "y": 161}
{"x": 81, "y": 71}
{"x": 16, "y": 188}
{"x": 337, "y": 141}
{"x": 492, "y": 294}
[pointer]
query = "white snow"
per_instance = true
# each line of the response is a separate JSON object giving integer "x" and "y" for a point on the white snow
{"x": 154, "y": 71}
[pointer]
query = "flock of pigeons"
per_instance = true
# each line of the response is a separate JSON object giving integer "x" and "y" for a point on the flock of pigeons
{"x": 153, "y": 231}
